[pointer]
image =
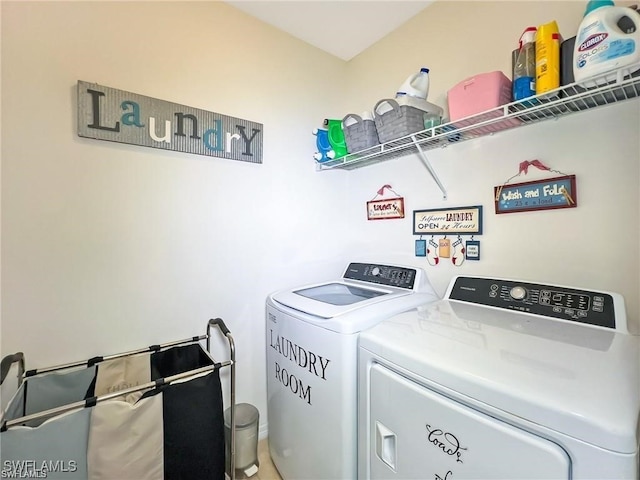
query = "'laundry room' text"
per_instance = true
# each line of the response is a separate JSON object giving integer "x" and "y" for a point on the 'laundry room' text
{"x": 303, "y": 358}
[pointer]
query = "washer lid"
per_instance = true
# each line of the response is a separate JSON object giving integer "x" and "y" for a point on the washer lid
{"x": 572, "y": 378}
{"x": 339, "y": 293}
{"x": 361, "y": 285}
{"x": 329, "y": 300}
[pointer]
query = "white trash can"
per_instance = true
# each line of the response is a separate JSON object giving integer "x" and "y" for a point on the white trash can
{"x": 246, "y": 441}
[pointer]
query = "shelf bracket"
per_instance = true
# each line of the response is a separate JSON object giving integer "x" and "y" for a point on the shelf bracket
{"x": 427, "y": 164}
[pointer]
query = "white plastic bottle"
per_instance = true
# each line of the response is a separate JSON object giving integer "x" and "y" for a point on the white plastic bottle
{"x": 607, "y": 44}
{"x": 403, "y": 99}
{"x": 417, "y": 85}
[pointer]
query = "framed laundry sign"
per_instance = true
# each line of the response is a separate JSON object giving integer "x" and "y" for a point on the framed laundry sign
{"x": 460, "y": 220}
{"x": 547, "y": 194}
{"x": 385, "y": 209}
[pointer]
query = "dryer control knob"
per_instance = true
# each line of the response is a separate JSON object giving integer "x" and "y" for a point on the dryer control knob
{"x": 375, "y": 271}
{"x": 518, "y": 293}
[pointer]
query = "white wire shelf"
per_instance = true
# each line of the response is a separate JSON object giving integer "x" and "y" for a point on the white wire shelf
{"x": 557, "y": 103}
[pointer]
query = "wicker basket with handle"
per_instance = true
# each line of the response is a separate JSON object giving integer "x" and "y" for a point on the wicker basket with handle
{"x": 359, "y": 133}
{"x": 401, "y": 120}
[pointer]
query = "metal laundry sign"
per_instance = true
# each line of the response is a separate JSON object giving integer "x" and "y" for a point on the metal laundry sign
{"x": 106, "y": 113}
{"x": 460, "y": 220}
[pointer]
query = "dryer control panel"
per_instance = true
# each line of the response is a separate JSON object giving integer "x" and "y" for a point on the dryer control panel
{"x": 391, "y": 276}
{"x": 583, "y": 306}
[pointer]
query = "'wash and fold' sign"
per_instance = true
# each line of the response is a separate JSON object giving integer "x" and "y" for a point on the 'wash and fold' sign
{"x": 109, "y": 114}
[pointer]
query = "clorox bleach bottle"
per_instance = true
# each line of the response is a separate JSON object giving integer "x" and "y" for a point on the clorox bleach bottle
{"x": 607, "y": 44}
{"x": 417, "y": 85}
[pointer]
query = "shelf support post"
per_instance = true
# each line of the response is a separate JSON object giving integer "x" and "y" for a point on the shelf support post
{"x": 427, "y": 164}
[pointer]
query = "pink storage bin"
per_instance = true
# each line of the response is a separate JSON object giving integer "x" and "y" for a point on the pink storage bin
{"x": 477, "y": 94}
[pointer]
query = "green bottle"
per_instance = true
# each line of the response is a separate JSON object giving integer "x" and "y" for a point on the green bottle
{"x": 336, "y": 136}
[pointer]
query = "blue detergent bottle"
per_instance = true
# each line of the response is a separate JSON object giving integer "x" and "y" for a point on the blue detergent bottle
{"x": 325, "y": 152}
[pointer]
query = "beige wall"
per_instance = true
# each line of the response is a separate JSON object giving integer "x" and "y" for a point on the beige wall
{"x": 455, "y": 39}
{"x": 108, "y": 247}
{"x": 593, "y": 246}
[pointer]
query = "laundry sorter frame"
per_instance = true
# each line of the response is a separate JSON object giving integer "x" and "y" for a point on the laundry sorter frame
{"x": 157, "y": 384}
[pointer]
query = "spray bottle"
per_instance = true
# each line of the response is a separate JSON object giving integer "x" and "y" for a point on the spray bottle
{"x": 524, "y": 72}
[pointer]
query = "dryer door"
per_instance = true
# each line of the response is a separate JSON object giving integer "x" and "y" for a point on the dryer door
{"x": 416, "y": 433}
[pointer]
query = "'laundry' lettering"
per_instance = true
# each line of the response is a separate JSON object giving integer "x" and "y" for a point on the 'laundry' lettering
{"x": 315, "y": 364}
{"x": 108, "y": 114}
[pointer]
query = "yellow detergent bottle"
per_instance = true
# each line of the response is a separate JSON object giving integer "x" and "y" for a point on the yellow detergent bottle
{"x": 548, "y": 42}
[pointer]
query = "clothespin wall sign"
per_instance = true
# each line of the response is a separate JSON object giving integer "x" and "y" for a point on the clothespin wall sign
{"x": 547, "y": 194}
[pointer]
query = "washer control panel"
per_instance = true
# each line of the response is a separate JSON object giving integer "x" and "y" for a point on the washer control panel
{"x": 392, "y": 276}
{"x": 581, "y": 306}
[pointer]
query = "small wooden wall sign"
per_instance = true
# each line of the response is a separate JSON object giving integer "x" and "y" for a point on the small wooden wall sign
{"x": 547, "y": 194}
{"x": 385, "y": 209}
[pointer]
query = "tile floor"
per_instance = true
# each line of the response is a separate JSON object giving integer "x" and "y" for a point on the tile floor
{"x": 266, "y": 471}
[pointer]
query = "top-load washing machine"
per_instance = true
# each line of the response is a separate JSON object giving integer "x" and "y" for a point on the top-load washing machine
{"x": 501, "y": 380}
{"x": 311, "y": 342}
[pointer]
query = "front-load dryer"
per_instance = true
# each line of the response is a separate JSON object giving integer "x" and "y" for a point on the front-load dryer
{"x": 501, "y": 379}
{"x": 311, "y": 342}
